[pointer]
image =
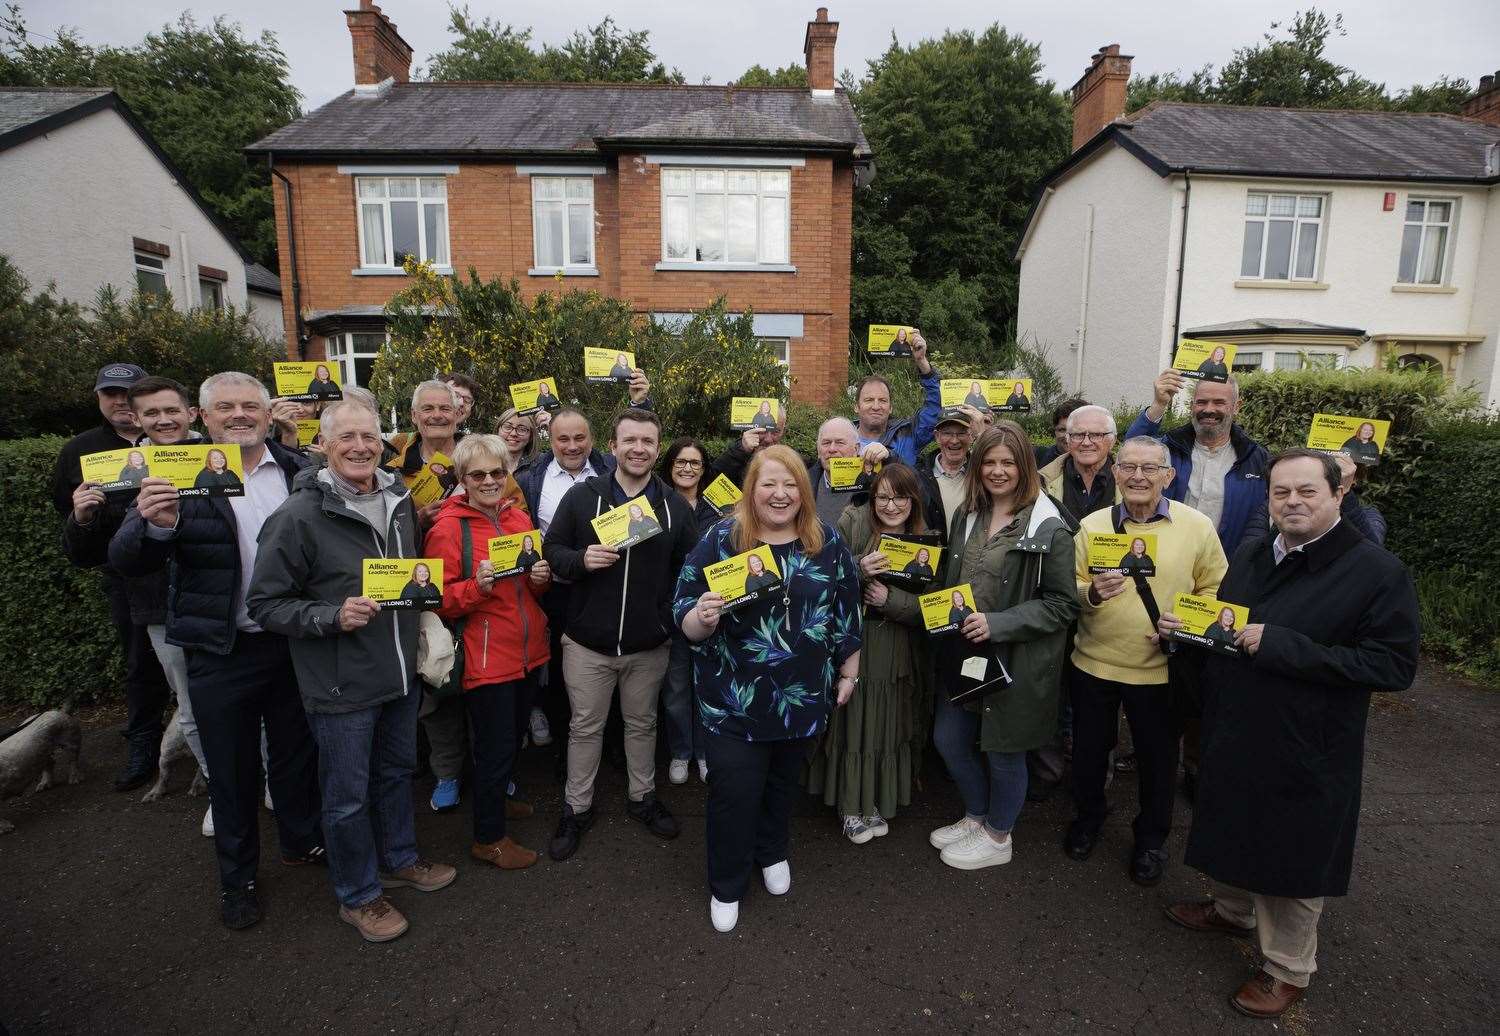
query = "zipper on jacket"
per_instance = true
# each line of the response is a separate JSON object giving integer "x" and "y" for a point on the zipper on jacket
{"x": 521, "y": 610}
{"x": 484, "y": 654}
{"x": 395, "y": 622}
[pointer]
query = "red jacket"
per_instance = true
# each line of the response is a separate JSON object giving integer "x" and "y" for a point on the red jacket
{"x": 505, "y": 636}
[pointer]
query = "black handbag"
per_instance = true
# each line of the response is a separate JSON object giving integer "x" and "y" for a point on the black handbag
{"x": 455, "y": 681}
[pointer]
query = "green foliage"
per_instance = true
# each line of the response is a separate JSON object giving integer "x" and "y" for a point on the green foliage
{"x": 55, "y": 633}
{"x": 203, "y": 92}
{"x": 51, "y": 350}
{"x": 1294, "y": 71}
{"x": 964, "y": 126}
{"x": 487, "y": 49}
{"x": 1461, "y": 620}
{"x": 788, "y": 75}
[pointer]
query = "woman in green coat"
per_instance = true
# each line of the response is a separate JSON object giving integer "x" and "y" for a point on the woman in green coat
{"x": 1010, "y": 542}
{"x": 864, "y": 765}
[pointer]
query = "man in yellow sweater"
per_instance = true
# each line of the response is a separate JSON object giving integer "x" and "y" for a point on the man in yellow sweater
{"x": 1118, "y": 658}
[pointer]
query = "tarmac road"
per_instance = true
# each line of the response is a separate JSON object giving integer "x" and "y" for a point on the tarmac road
{"x": 108, "y": 920}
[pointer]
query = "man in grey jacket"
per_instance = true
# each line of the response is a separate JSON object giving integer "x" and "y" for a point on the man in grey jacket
{"x": 356, "y": 664}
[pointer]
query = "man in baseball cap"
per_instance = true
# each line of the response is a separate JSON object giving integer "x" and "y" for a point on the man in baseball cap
{"x": 942, "y": 474}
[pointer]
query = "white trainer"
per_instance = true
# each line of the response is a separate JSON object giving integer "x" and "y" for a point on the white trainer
{"x": 977, "y": 851}
{"x": 778, "y": 878}
{"x": 856, "y": 831}
{"x": 541, "y": 733}
{"x": 877, "y": 825}
{"x": 703, "y": 770}
{"x": 677, "y": 773}
{"x": 723, "y": 915}
{"x": 208, "y": 822}
{"x": 946, "y": 836}
{"x": 269, "y": 804}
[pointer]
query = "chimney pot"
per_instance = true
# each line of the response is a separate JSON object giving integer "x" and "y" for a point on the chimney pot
{"x": 1484, "y": 103}
{"x": 822, "y": 14}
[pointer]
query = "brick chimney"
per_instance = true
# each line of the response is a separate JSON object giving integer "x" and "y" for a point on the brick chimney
{"x": 1099, "y": 97}
{"x": 379, "y": 51}
{"x": 817, "y": 45}
{"x": 1485, "y": 104}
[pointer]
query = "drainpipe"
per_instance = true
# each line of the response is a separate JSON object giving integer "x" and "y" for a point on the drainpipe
{"x": 1083, "y": 300}
{"x": 291, "y": 245}
{"x": 1187, "y": 200}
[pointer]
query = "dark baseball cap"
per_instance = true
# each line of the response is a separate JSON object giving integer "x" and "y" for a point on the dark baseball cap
{"x": 118, "y": 375}
{"x": 952, "y": 419}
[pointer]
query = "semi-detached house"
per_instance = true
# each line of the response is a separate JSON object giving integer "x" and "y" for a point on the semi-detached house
{"x": 666, "y": 196}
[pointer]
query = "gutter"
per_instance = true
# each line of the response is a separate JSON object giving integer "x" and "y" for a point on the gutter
{"x": 1187, "y": 201}
{"x": 291, "y": 244}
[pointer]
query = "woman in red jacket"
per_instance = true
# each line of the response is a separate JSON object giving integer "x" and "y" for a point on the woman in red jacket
{"x": 504, "y": 634}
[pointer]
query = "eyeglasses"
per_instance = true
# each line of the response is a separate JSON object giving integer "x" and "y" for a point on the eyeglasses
{"x": 886, "y": 500}
{"x": 1149, "y": 470}
{"x": 479, "y": 478}
{"x": 515, "y": 427}
{"x": 691, "y": 465}
{"x": 1089, "y": 436}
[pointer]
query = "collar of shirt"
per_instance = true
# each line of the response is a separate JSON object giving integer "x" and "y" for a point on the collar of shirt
{"x": 1101, "y": 477}
{"x": 1280, "y": 551}
{"x": 556, "y": 471}
{"x": 939, "y": 471}
{"x": 1163, "y": 513}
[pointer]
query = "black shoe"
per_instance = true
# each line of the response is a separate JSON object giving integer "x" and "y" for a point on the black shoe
{"x": 239, "y": 907}
{"x": 654, "y": 815}
{"x": 570, "y": 831}
{"x": 317, "y": 855}
{"x": 1147, "y": 866}
{"x": 1079, "y": 842}
{"x": 140, "y": 765}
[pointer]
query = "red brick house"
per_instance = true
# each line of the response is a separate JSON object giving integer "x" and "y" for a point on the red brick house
{"x": 666, "y": 196}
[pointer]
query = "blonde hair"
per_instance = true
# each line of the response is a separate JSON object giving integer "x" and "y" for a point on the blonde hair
{"x": 747, "y": 523}
{"x": 475, "y": 449}
{"x": 1013, "y": 437}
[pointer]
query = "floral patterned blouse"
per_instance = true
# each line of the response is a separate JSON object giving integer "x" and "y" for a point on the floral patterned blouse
{"x": 767, "y": 673}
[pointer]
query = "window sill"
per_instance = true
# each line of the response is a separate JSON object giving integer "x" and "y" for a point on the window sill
{"x": 392, "y": 271}
{"x": 726, "y": 267}
{"x": 1425, "y": 289}
{"x": 563, "y": 271}
{"x": 1283, "y": 285}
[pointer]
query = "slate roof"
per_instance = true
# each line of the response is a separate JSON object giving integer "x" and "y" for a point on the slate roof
{"x": 568, "y": 119}
{"x": 258, "y": 278}
{"x": 27, "y": 111}
{"x": 1271, "y": 326}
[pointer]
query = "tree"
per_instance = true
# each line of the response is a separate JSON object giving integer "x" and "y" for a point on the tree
{"x": 759, "y": 75}
{"x": 1294, "y": 71}
{"x": 964, "y": 127}
{"x": 202, "y": 92}
{"x": 488, "y": 50}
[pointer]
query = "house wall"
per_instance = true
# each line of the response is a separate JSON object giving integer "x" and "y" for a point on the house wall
{"x": 1481, "y": 362}
{"x": 489, "y": 218}
{"x": 74, "y": 199}
{"x": 266, "y": 311}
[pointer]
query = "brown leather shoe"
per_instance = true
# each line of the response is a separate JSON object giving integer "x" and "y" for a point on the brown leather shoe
{"x": 505, "y": 854}
{"x": 377, "y": 920}
{"x": 422, "y": 876}
{"x": 1265, "y": 996}
{"x": 1202, "y": 917}
{"x": 515, "y": 809}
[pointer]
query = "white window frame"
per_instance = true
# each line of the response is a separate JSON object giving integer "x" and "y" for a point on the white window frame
{"x": 565, "y": 204}
{"x": 1269, "y": 353}
{"x": 424, "y": 247}
{"x": 340, "y": 350}
{"x": 762, "y": 193}
{"x": 156, "y": 265}
{"x": 1298, "y": 221}
{"x": 210, "y": 293}
{"x": 1425, "y": 223}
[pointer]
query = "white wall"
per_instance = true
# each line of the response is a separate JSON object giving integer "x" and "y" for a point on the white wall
{"x": 75, "y": 197}
{"x": 1129, "y": 271}
{"x": 266, "y": 312}
{"x": 1481, "y": 363}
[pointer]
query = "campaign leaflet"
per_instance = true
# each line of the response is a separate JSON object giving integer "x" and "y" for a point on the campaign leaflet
{"x": 744, "y": 578}
{"x": 409, "y": 583}
{"x": 1208, "y": 622}
{"x": 308, "y": 432}
{"x": 889, "y": 340}
{"x": 1004, "y": 395}
{"x": 1361, "y": 438}
{"x": 511, "y": 555}
{"x": 753, "y": 412}
{"x": 199, "y": 469}
{"x": 632, "y": 522}
{"x": 116, "y": 471}
{"x": 944, "y": 611}
{"x": 530, "y": 396}
{"x": 606, "y": 365}
{"x": 432, "y": 481}
{"x": 1122, "y": 552}
{"x": 1206, "y": 361}
{"x": 915, "y": 559}
{"x": 307, "y": 382}
{"x": 850, "y": 474}
{"x": 1013, "y": 395}
{"x": 722, "y": 493}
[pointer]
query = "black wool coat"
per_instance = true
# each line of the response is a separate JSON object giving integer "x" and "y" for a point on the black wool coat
{"x": 1284, "y": 730}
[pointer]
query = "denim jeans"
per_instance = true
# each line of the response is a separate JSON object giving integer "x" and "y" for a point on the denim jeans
{"x": 365, "y": 762}
{"x": 992, "y": 784}
{"x": 685, "y": 734}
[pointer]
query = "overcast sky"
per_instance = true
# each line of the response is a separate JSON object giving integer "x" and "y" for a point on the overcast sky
{"x": 1394, "y": 41}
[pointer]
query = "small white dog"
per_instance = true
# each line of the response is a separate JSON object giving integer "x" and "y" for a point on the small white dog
{"x": 29, "y": 754}
{"x": 174, "y": 747}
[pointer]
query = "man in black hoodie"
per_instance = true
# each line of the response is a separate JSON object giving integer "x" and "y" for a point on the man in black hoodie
{"x": 618, "y": 623}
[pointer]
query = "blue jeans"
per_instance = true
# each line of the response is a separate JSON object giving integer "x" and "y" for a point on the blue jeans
{"x": 365, "y": 762}
{"x": 992, "y": 784}
{"x": 685, "y": 733}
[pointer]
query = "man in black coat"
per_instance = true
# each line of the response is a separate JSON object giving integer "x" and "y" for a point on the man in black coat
{"x": 1333, "y": 617}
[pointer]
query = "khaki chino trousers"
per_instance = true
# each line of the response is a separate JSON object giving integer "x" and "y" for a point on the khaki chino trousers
{"x": 591, "y": 678}
{"x": 1287, "y": 929}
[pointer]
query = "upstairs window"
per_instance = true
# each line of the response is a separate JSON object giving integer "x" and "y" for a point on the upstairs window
{"x": 400, "y": 218}
{"x": 1424, "y": 241}
{"x": 562, "y": 222}
{"x": 150, "y": 274}
{"x": 1282, "y": 235}
{"x": 726, "y": 216}
{"x": 211, "y": 292}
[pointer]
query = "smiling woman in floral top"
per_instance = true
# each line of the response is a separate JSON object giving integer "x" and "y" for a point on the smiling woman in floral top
{"x": 766, "y": 673}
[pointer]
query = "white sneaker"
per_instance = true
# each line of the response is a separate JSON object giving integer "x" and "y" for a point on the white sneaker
{"x": 856, "y": 831}
{"x": 877, "y": 825}
{"x": 703, "y": 770}
{"x": 723, "y": 915}
{"x": 677, "y": 773}
{"x": 269, "y": 804}
{"x": 977, "y": 851}
{"x": 778, "y": 878}
{"x": 956, "y": 832}
{"x": 208, "y": 822}
{"x": 541, "y": 733}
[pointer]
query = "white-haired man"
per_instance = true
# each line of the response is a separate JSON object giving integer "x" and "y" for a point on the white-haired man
{"x": 1082, "y": 480}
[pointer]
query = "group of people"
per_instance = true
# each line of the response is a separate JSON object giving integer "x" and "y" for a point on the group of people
{"x": 249, "y": 609}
